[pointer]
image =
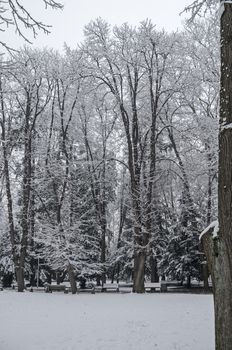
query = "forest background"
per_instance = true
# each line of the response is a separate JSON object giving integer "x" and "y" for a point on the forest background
{"x": 109, "y": 158}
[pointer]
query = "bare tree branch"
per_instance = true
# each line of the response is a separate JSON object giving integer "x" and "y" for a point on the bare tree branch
{"x": 14, "y": 14}
{"x": 199, "y": 7}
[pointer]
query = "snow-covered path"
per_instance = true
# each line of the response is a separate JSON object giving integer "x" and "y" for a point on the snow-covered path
{"x": 39, "y": 321}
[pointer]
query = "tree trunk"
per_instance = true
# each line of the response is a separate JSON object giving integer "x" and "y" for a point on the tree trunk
{"x": 139, "y": 240}
{"x": 103, "y": 243}
{"x": 218, "y": 249}
{"x": 219, "y": 266}
{"x": 72, "y": 279}
{"x": 7, "y": 180}
{"x": 223, "y": 300}
{"x": 20, "y": 278}
{"x": 98, "y": 280}
{"x": 221, "y": 248}
{"x": 139, "y": 272}
{"x": 26, "y": 192}
{"x": 188, "y": 281}
{"x": 154, "y": 271}
{"x": 205, "y": 275}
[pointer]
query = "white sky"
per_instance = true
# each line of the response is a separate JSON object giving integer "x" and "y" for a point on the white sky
{"x": 67, "y": 25}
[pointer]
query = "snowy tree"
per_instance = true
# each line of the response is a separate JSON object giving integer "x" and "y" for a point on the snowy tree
{"x": 126, "y": 62}
{"x": 30, "y": 93}
{"x": 217, "y": 240}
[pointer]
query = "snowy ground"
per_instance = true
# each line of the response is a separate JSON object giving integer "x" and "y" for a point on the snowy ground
{"x": 39, "y": 321}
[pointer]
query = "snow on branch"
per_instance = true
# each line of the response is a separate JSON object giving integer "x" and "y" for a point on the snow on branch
{"x": 214, "y": 226}
{"x": 226, "y": 126}
{"x": 198, "y": 7}
{"x": 53, "y": 4}
{"x": 14, "y": 13}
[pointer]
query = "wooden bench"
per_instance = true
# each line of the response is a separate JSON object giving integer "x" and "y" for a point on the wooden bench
{"x": 49, "y": 288}
{"x": 86, "y": 290}
{"x": 126, "y": 287}
{"x": 152, "y": 286}
{"x": 110, "y": 287}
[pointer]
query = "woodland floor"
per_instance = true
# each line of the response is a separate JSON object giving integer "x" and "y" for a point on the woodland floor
{"x": 111, "y": 321}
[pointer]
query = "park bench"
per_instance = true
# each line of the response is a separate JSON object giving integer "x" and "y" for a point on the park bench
{"x": 110, "y": 287}
{"x": 49, "y": 288}
{"x": 152, "y": 286}
{"x": 125, "y": 287}
{"x": 86, "y": 290}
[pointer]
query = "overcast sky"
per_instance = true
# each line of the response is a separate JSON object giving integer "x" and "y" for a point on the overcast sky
{"x": 67, "y": 25}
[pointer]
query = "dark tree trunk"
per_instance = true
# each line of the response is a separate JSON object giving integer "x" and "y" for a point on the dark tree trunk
{"x": 7, "y": 180}
{"x": 58, "y": 280}
{"x": 151, "y": 201}
{"x": 33, "y": 272}
{"x": 20, "y": 278}
{"x": 49, "y": 275}
{"x": 112, "y": 275}
{"x": 103, "y": 243}
{"x": 205, "y": 276}
{"x": 27, "y": 172}
{"x": 154, "y": 271}
{"x": 223, "y": 260}
{"x": 98, "y": 280}
{"x": 217, "y": 257}
{"x": 139, "y": 254}
{"x": 219, "y": 249}
{"x": 139, "y": 272}
{"x": 72, "y": 279}
{"x": 134, "y": 170}
{"x": 189, "y": 281}
{"x": 123, "y": 211}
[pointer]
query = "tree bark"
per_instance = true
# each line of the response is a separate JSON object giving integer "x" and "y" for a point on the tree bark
{"x": 205, "y": 275}
{"x": 27, "y": 172}
{"x": 154, "y": 270}
{"x": 219, "y": 249}
{"x": 139, "y": 272}
{"x": 219, "y": 264}
{"x": 223, "y": 257}
{"x": 7, "y": 179}
{"x": 20, "y": 278}
{"x": 72, "y": 279}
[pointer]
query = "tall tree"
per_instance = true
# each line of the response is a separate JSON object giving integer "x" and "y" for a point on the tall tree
{"x": 31, "y": 89}
{"x": 217, "y": 239}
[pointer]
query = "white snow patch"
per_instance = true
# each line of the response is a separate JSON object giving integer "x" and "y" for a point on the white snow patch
{"x": 38, "y": 321}
{"x": 226, "y": 126}
{"x": 215, "y": 226}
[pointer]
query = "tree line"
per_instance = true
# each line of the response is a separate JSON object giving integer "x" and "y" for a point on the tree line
{"x": 108, "y": 155}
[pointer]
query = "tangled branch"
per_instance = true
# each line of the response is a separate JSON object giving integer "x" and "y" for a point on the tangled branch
{"x": 198, "y": 7}
{"x": 14, "y": 14}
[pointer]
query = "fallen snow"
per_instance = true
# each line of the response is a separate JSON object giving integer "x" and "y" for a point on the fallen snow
{"x": 39, "y": 321}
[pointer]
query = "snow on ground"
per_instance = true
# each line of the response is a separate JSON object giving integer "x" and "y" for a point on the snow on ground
{"x": 39, "y": 321}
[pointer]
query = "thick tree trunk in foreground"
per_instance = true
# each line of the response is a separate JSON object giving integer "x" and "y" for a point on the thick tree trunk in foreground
{"x": 219, "y": 249}
{"x": 217, "y": 257}
{"x": 223, "y": 264}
